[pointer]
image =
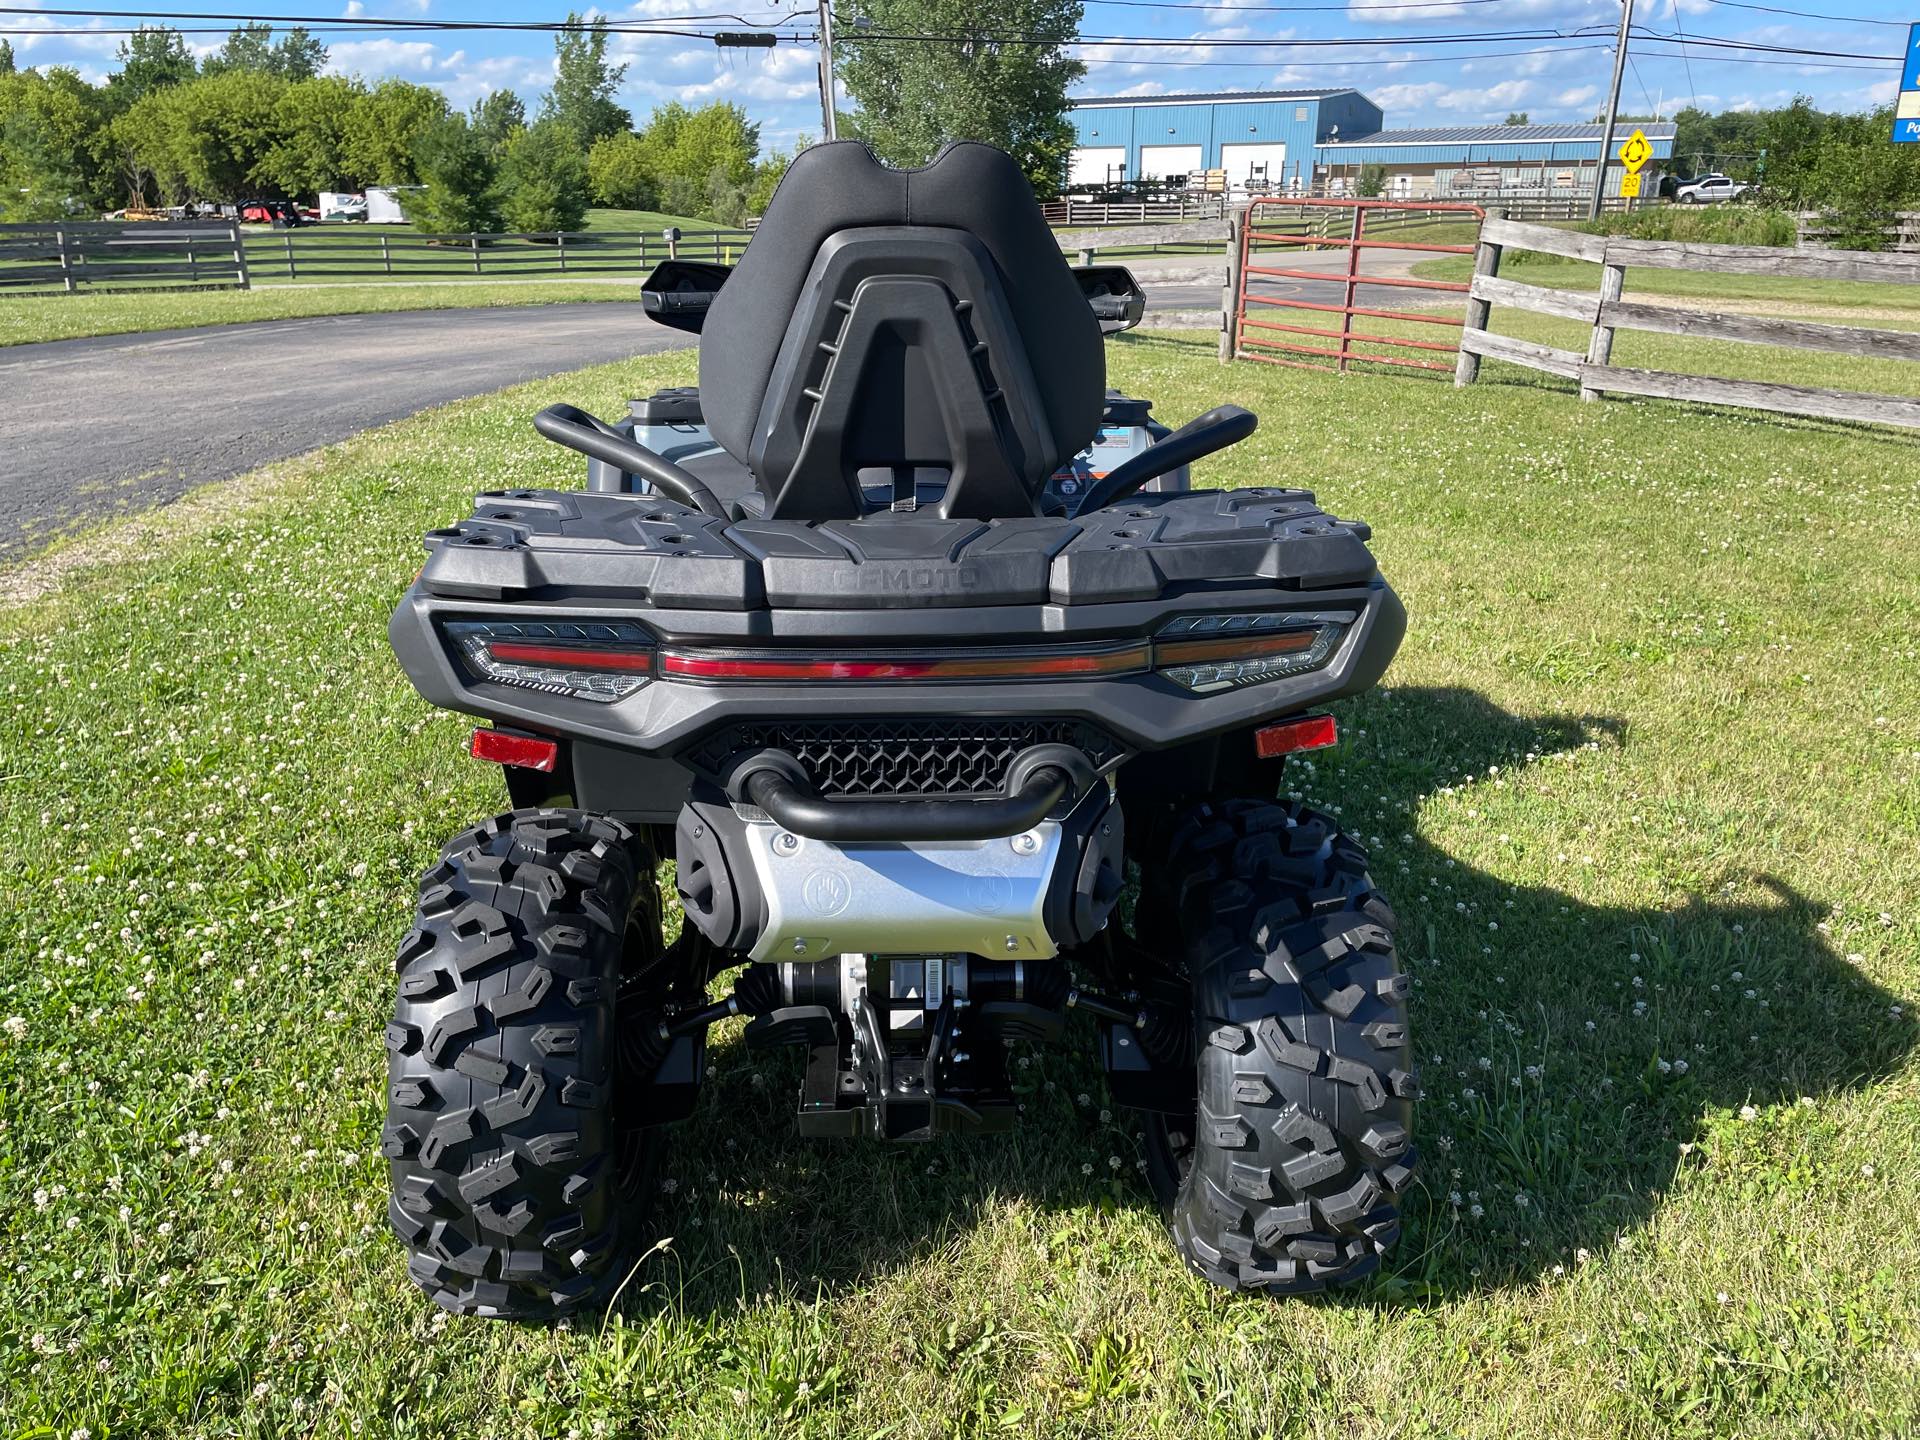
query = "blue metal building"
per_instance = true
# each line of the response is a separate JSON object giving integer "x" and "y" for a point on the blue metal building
{"x": 1266, "y": 137}
{"x": 1317, "y": 140}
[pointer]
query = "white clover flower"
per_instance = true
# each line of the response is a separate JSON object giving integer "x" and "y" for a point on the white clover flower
{"x": 1747, "y": 1112}
{"x": 15, "y": 1026}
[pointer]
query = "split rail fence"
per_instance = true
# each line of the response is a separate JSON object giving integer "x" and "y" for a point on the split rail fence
{"x": 1606, "y": 312}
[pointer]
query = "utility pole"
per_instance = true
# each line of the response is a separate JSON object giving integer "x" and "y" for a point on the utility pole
{"x": 1613, "y": 110}
{"x": 829, "y": 129}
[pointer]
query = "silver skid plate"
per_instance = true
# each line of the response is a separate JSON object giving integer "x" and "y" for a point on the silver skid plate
{"x": 968, "y": 897}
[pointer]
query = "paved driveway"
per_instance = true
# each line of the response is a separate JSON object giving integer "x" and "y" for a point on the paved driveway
{"x": 117, "y": 423}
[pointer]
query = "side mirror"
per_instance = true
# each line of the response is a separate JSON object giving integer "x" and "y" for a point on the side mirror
{"x": 678, "y": 292}
{"x": 1117, "y": 300}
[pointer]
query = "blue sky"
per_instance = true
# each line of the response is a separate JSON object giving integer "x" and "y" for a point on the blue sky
{"x": 1557, "y": 78}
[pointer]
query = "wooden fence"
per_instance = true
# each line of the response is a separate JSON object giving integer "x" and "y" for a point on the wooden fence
{"x": 65, "y": 258}
{"x": 1817, "y": 230}
{"x": 1607, "y": 312}
{"x": 343, "y": 253}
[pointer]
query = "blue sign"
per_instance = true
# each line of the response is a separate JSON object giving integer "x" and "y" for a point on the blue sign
{"x": 1906, "y": 105}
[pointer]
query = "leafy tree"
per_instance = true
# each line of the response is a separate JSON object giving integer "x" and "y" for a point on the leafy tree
{"x": 1372, "y": 181}
{"x": 915, "y": 96}
{"x": 295, "y": 56}
{"x": 767, "y": 176}
{"x": 6, "y": 57}
{"x": 715, "y": 138}
{"x": 313, "y": 121}
{"x": 385, "y": 128}
{"x": 1517, "y": 117}
{"x": 618, "y": 174}
{"x": 455, "y": 164}
{"x": 544, "y": 179}
{"x": 49, "y": 123}
{"x": 496, "y": 117}
{"x": 584, "y": 83}
{"x": 1860, "y": 180}
{"x": 151, "y": 58}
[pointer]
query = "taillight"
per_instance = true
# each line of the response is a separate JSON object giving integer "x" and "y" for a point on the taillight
{"x": 586, "y": 659}
{"x": 1013, "y": 664}
{"x": 1210, "y": 653}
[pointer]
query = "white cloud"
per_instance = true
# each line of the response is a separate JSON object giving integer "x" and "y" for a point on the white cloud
{"x": 374, "y": 58}
{"x": 1513, "y": 13}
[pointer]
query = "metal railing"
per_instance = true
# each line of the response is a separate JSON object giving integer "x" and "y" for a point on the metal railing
{"x": 1315, "y": 225}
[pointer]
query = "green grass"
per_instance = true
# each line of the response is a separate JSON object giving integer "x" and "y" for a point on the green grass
{"x": 26, "y": 319}
{"x": 1642, "y": 784}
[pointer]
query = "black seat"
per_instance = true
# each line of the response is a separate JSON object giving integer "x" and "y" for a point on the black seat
{"x": 891, "y": 323}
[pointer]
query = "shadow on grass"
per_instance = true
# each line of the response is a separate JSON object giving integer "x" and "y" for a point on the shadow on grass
{"x": 1574, "y": 1057}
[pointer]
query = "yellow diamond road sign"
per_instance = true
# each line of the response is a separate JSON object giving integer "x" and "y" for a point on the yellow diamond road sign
{"x": 1636, "y": 152}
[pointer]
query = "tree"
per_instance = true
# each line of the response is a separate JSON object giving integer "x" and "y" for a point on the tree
{"x": 913, "y": 97}
{"x": 544, "y": 179}
{"x": 151, "y": 58}
{"x": 49, "y": 125}
{"x": 313, "y": 121}
{"x": 496, "y": 117}
{"x": 385, "y": 128}
{"x": 1858, "y": 179}
{"x": 584, "y": 83}
{"x": 455, "y": 164}
{"x": 295, "y": 56}
{"x": 6, "y": 57}
{"x": 1372, "y": 181}
{"x": 1517, "y": 117}
{"x": 618, "y": 175}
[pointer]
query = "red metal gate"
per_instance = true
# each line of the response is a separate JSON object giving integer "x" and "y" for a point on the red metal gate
{"x": 1262, "y": 227}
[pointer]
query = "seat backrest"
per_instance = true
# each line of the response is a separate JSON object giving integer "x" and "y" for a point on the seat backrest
{"x": 897, "y": 322}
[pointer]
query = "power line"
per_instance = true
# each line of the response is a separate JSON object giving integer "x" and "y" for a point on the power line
{"x": 1331, "y": 64}
{"x": 1810, "y": 14}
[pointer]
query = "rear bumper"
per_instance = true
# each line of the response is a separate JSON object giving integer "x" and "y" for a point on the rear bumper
{"x": 666, "y": 717}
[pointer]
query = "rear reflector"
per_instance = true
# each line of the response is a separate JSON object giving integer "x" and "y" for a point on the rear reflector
{"x": 528, "y": 752}
{"x": 1116, "y": 660}
{"x": 1308, "y": 732}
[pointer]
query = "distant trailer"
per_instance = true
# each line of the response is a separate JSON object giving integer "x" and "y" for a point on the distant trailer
{"x": 342, "y": 205}
{"x": 383, "y": 206}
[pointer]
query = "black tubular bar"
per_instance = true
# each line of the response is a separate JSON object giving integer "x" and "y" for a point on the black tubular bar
{"x": 577, "y": 430}
{"x": 793, "y": 807}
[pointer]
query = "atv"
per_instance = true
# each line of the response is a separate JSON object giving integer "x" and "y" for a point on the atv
{"x": 910, "y": 644}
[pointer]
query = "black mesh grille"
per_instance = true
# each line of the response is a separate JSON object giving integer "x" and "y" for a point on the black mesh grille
{"x": 905, "y": 757}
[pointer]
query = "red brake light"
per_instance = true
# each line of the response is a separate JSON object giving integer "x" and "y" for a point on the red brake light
{"x": 1115, "y": 660}
{"x": 1307, "y": 732}
{"x": 576, "y": 657}
{"x": 504, "y": 747}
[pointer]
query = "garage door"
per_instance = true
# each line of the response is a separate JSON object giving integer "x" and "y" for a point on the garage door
{"x": 1263, "y": 164}
{"x": 1097, "y": 165}
{"x": 1159, "y": 161}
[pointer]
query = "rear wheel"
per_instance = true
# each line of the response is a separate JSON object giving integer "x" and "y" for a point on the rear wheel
{"x": 510, "y": 1155}
{"x": 1286, "y": 1175}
